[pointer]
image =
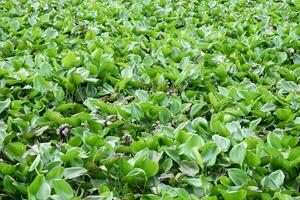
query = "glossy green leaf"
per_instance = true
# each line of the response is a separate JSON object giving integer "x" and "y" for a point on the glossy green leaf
{"x": 4, "y": 104}
{"x": 136, "y": 176}
{"x": 73, "y": 172}
{"x": 209, "y": 154}
{"x": 70, "y": 59}
{"x": 150, "y": 167}
{"x": 63, "y": 189}
{"x": 238, "y": 176}
{"x": 165, "y": 115}
{"x": 14, "y": 150}
{"x": 274, "y": 180}
{"x": 238, "y": 152}
{"x": 40, "y": 84}
{"x": 222, "y": 142}
{"x": 55, "y": 174}
{"x": 39, "y": 188}
{"x": 234, "y": 195}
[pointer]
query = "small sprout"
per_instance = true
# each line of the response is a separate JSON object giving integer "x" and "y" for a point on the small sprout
{"x": 290, "y": 51}
{"x": 171, "y": 92}
{"x": 64, "y": 130}
{"x": 199, "y": 57}
{"x": 160, "y": 35}
{"x": 95, "y": 168}
{"x": 111, "y": 119}
{"x": 127, "y": 139}
{"x": 157, "y": 126}
{"x": 181, "y": 24}
{"x": 84, "y": 125}
{"x": 105, "y": 98}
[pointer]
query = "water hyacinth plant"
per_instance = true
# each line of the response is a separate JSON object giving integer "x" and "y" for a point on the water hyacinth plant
{"x": 149, "y": 99}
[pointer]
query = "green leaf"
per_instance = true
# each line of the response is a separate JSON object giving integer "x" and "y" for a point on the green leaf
{"x": 268, "y": 107}
{"x": 274, "y": 180}
{"x": 73, "y": 172}
{"x": 123, "y": 83}
{"x": 4, "y": 104}
{"x": 238, "y": 176}
{"x": 150, "y": 167}
{"x": 70, "y": 59}
{"x": 55, "y": 117}
{"x": 175, "y": 106}
{"x": 35, "y": 163}
{"x": 222, "y": 142}
{"x": 40, "y": 84}
{"x": 195, "y": 182}
{"x": 45, "y": 69}
{"x": 136, "y": 111}
{"x": 200, "y": 124}
{"x": 274, "y": 140}
{"x": 283, "y": 114}
{"x": 209, "y": 198}
{"x": 195, "y": 141}
{"x": 135, "y": 176}
{"x": 198, "y": 157}
{"x": 39, "y": 188}
{"x": 94, "y": 140}
{"x": 213, "y": 100}
{"x": 282, "y": 56}
{"x": 55, "y": 174}
{"x": 238, "y": 153}
{"x": 173, "y": 153}
{"x": 14, "y": 150}
{"x": 221, "y": 128}
{"x": 209, "y": 153}
{"x": 234, "y": 195}
{"x": 166, "y": 165}
{"x": 252, "y": 159}
{"x": 297, "y": 30}
{"x": 142, "y": 95}
{"x": 50, "y": 33}
{"x": 63, "y": 189}
{"x": 164, "y": 115}
{"x": 125, "y": 167}
{"x": 189, "y": 168}
{"x": 6, "y": 168}
{"x": 281, "y": 196}
{"x": 288, "y": 86}
{"x": 8, "y": 184}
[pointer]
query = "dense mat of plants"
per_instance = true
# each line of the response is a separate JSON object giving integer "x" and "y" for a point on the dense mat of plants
{"x": 149, "y": 99}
